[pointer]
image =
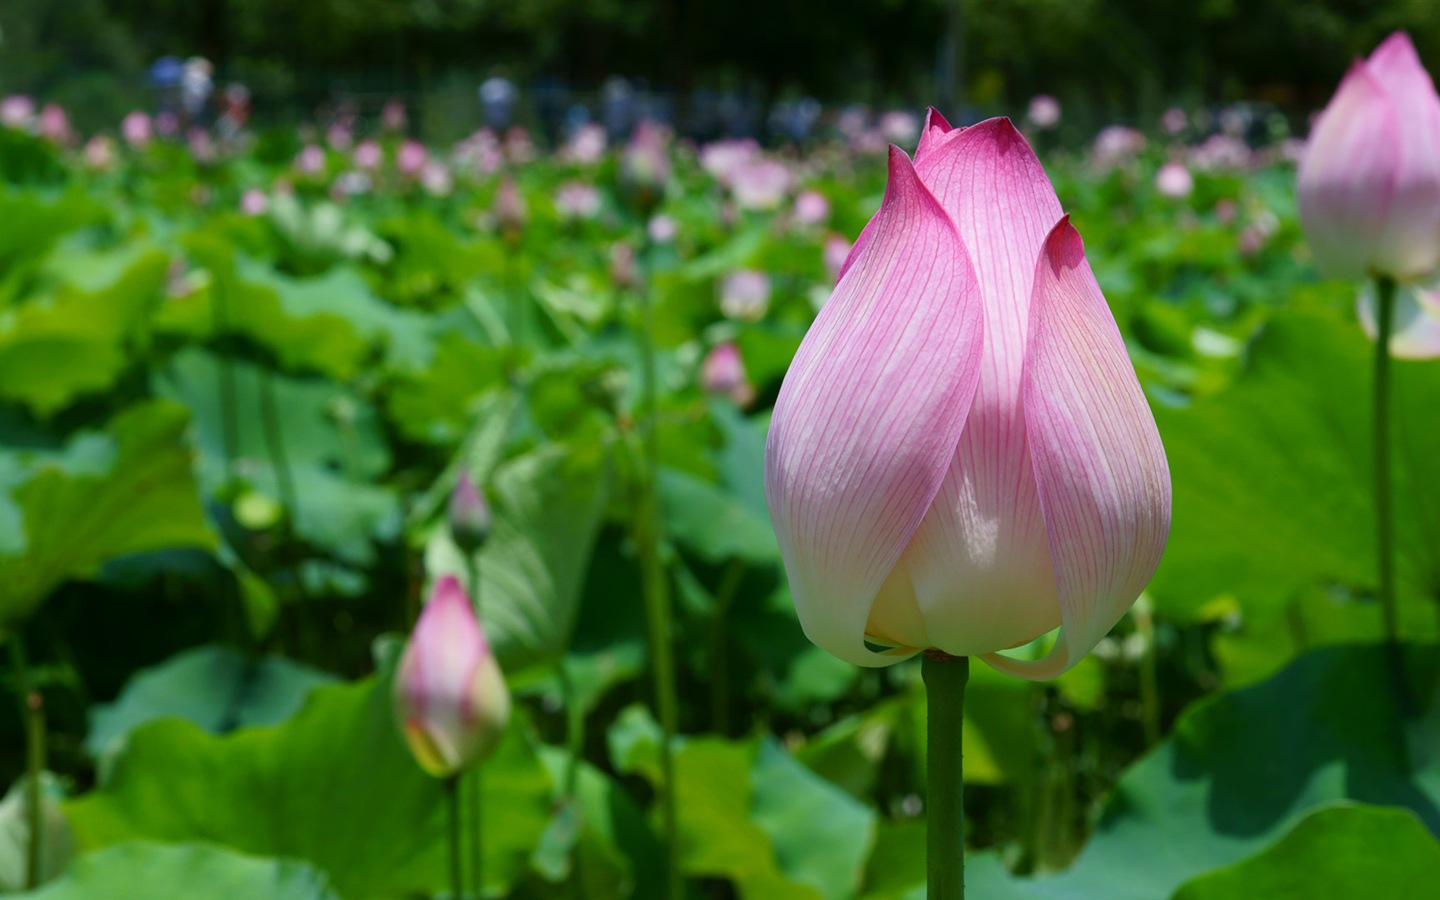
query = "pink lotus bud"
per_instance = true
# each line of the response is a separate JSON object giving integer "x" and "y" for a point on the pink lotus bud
{"x": 338, "y": 136}
{"x": 745, "y": 295}
{"x": 202, "y": 146}
{"x": 436, "y": 179}
{"x": 450, "y": 697}
{"x": 1369, "y": 184}
{"x": 100, "y": 153}
{"x": 1044, "y": 112}
{"x": 17, "y": 111}
{"x": 167, "y": 124}
{"x": 311, "y": 160}
{"x": 722, "y": 158}
{"x": 136, "y": 129}
{"x": 577, "y": 200}
{"x": 1116, "y": 145}
{"x": 899, "y": 126}
{"x": 468, "y": 515}
{"x": 961, "y": 457}
{"x": 645, "y": 165}
{"x": 55, "y": 125}
{"x": 254, "y": 202}
{"x": 622, "y": 265}
{"x": 392, "y": 117}
{"x": 586, "y": 146}
{"x": 519, "y": 149}
{"x": 411, "y": 158}
{"x": 837, "y": 251}
{"x": 368, "y": 156}
{"x": 811, "y": 208}
{"x": 760, "y": 183}
{"x": 1174, "y": 121}
{"x": 662, "y": 229}
{"x": 1416, "y": 328}
{"x": 723, "y": 374}
{"x": 1174, "y": 180}
{"x": 510, "y": 209}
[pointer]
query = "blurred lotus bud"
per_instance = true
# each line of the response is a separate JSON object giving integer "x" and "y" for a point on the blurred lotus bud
{"x": 1174, "y": 120}
{"x": 254, "y": 202}
{"x": 338, "y": 136}
{"x": 136, "y": 129}
{"x": 55, "y": 125}
{"x": 745, "y": 295}
{"x": 723, "y": 374}
{"x": 1225, "y": 210}
{"x": 1174, "y": 180}
{"x": 722, "y": 158}
{"x": 368, "y": 156}
{"x": 411, "y": 158}
{"x": 811, "y": 208}
{"x": 760, "y": 184}
{"x": 311, "y": 160}
{"x": 1115, "y": 145}
{"x": 1044, "y": 112}
{"x": 645, "y": 166}
{"x": 519, "y": 149}
{"x": 468, "y": 515}
{"x": 586, "y": 145}
{"x": 900, "y": 126}
{"x": 436, "y": 179}
{"x": 167, "y": 124}
{"x": 622, "y": 265}
{"x": 100, "y": 153}
{"x": 662, "y": 229}
{"x": 510, "y": 210}
{"x": 837, "y": 250}
{"x": 202, "y": 146}
{"x": 450, "y": 698}
{"x": 17, "y": 111}
{"x": 392, "y": 116}
{"x": 576, "y": 200}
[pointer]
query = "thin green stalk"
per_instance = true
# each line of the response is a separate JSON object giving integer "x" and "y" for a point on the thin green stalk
{"x": 945, "y": 678}
{"x": 719, "y": 641}
{"x": 1149, "y": 674}
{"x": 575, "y": 751}
{"x": 33, "y": 711}
{"x": 1384, "y": 514}
{"x": 34, "y": 800}
{"x": 452, "y": 803}
{"x": 655, "y": 586}
{"x": 476, "y": 781}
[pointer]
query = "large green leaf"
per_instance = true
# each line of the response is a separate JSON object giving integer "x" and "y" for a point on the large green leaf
{"x": 188, "y": 871}
{"x": 329, "y": 440}
{"x": 1273, "y": 484}
{"x": 334, "y": 785}
{"x": 133, "y": 493}
{"x": 1240, "y": 770}
{"x": 214, "y": 687}
{"x": 547, "y": 506}
{"x": 1335, "y": 853}
{"x": 75, "y": 339}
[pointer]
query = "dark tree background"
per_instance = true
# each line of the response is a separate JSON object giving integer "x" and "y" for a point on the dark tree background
{"x": 1117, "y": 59}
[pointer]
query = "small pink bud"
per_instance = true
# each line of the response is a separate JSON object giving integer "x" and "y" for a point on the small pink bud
{"x": 450, "y": 697}
{"x": 468, "y": 514}
{"x": 663, "y": 229}
{"x": 392, "y": 117}
{"x": 254, "y": 202}
{"x": 1044, "y": 111}
{"x": 745, "y": 295}
{"x": 136, "y": 129}
{"x": 510, "y": 210}
{"x": 411, "y": 158}
{"x": 368, "y": 155}
{"x": 1174, "y": 181}
{"x": 811, "y": 208}
{"x": 723, "y": 374}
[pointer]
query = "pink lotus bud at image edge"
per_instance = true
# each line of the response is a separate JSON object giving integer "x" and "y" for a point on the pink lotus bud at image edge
{"x": 1369, "y": 181}
{"x": 468, "y": 514}
{"x": 450, "y": 698}
{"x": 961, "y": 457}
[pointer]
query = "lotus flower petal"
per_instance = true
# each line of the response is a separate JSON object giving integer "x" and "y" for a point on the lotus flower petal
{"x": 979, "y": 564}
{"x": 1410, "y": 242}
{"x": 937, "y": 131}
{"x": 868, "y": 417}
{"x": 1100, "y": 467}
{"x": 1347, "y": 177}
{"x": 1415, "y": 332}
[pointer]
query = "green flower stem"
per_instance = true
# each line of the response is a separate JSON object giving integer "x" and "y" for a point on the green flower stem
{"x": 452, "y": 804}
{"x": 33, "y": 711}
{"x": 654, "y": 583}
{"x": 945, "y": 678}
{"x": 1384, "y": 513}
{"x": 475, "y": 783}
{"x": 719, "y": 641}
